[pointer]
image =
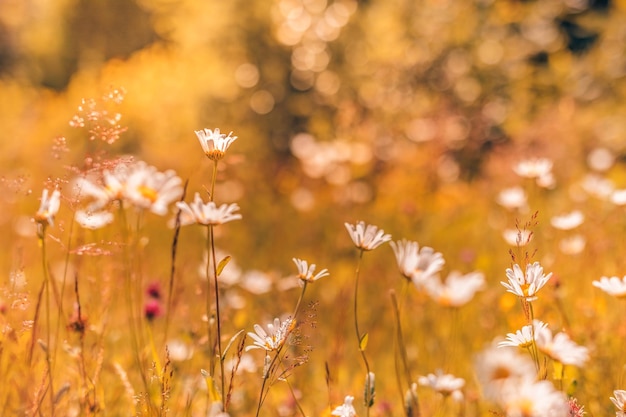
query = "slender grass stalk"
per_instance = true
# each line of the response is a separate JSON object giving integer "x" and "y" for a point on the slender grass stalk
{"x": 293, "y": 395}
{"x": 208, "y": 302}
{"x": 532, "y": 349}
{"x": 170, "y": 291}
{"x": 46, "y": 287}
{"x": 360, "y": 338}
{"x": 275, "y": 359}
{"x": 217, "y": 314}
{"x": 400, "y": 354}
{"x": 130, "y": 304}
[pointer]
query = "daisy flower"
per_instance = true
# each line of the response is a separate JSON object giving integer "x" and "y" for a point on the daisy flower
{"x": 499, "y": 369}
{"x": 140, "y": 184}
{"x": 415, "y": 264}
{"x": 458, "y": 289}
{"x": 533, "y": 168}
{"x": 48, "y": 208}
{"x": 516, "y": 237}
{"x": 366, "y": 237}
{"x": 598, "y": 186}
{"x": 305, "y": 271}
{"x": 512, "y": 198}
{"x": 614, "y": 286}
{"x": 93, "y": 220}
{"x": 568, "y": 221}
{"x": 619, "y": 399}
{"x": 534, "y": 399}
{"x": 526, "y": 284}
{"x": 147, "y": 188}
{"x": 113, "y": 187}
{"x": 561, "y": 348}
{"x": 618, "y": 197}
{"x": 523, "y": 338}
{"x": 206, "y": 214}
{"x": 572, "y": 245}
{"x": 275, "y": 336}
{"x": 445, "y": 384}
{"x": 346, "y": 409}
{"x": 214, "y": 144}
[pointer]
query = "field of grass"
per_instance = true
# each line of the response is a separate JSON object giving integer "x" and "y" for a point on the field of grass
{"x": 315, "y": 208}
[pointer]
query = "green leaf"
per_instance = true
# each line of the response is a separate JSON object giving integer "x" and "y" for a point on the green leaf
{"x": 222, "y": 264}
{"x": 363, "y": 342}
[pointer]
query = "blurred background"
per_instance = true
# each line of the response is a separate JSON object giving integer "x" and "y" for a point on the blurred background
{"x": 407, "y": 114}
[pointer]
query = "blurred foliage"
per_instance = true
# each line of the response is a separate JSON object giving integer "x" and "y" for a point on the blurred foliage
{"x": 407, "y": 114}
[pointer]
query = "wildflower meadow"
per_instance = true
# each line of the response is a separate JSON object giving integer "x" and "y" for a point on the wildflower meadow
{"x": 313, "y": 208}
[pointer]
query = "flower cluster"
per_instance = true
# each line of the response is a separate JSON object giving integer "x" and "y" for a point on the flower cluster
{"x": 139, "y": 184}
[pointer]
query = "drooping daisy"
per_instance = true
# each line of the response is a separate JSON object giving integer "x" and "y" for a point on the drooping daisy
{"x": 48, "y": 208}
{"x": 526, "y": 284}
{"x": 415, "y": 264}
{"x": 619, "y": 399}
{"x": 275, "y": 336}
{"x": 207, "y": 214}
{"x": 346, "y": 409}
{"x": 561, "y": 348}
{"x": 568, "y": 221}
{"x": 614, "y": 286}
{"x": 366, "y": 237}
{"x": 306, "y": 271}
{"x": 214, "y": 144}
{"x": 523, "y": 338}
{"x": 457, "y": 290}
{"x": 445, "y": 384}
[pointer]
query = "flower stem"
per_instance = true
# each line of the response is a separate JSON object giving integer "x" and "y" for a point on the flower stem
{"x": 273, "y": 362}
{"x": 359, "y": 337}
{"x": 217, "y": 314}
{"x": 400, "y": 354}
{"x": 46, "y": 286}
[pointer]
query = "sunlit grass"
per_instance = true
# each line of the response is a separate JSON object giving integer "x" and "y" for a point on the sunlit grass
{"x": 473, "y": 133}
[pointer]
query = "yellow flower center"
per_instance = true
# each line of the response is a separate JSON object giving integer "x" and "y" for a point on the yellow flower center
{"x": 215, "y": 154}
{"x": 501, "y": 373}
{"x": 149, "y": 193}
